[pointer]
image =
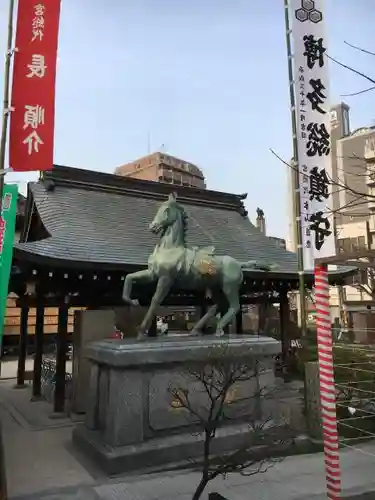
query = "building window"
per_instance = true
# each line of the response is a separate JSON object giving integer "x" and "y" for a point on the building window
{"x": 344, "y": 245}
{"x": 333, "y": 116}
{"x": 360, "y": 278}
{"x": 348, "y": 245}
{"x": 346, "y": 127}
{"x": 361, "y": 242}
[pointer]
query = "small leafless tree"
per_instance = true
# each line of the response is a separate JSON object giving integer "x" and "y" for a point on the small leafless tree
{"x": 207, "y": 396}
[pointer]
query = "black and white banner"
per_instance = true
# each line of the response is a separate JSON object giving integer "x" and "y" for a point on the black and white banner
{"x": 311, "y": 84}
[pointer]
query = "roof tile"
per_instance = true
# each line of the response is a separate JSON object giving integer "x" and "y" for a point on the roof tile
{"x": 102, "y": 219}
{"x": 112, "y": 228}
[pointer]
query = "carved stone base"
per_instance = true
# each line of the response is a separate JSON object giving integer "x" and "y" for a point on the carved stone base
{"x": 153, "y": 453}
{"x": 133, "y": 420}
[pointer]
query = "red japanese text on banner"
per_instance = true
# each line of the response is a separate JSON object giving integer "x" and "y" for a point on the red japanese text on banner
{"x": 311, "y": 85}
{"x": 32, "y": 121}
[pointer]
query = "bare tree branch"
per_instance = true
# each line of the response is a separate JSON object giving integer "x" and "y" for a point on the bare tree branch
{"x": 363, "y": 91}
{"x": 336, "y": 183}
{"x": 216, "y": 379}
{"x": 359, "y": 92}
{"x": 359, "y": 48}
{"x": 363, "y": 75}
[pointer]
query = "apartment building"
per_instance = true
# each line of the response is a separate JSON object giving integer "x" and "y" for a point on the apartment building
{"x": 279, "y": 242}
{"x": 160, "y": 167}
{"x": 355, "y": 226}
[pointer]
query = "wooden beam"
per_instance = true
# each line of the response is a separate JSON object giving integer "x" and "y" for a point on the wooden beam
{"x": 361, "y": 264}
{"x": 239, "y": 322}
{"x": 61, "y": 351}
{"x": 22, "y": 347}
{"x": 343, "y": 257}
{"x": 38, "y": 357}
{"x": 284, "y": 315}
{"x": 99, "y": 300}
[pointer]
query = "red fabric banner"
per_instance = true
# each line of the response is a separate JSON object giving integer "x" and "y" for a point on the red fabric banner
{"x": 32, "y": 119}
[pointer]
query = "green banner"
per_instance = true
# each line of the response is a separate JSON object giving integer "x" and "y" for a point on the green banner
{"x": 7, "y": 232}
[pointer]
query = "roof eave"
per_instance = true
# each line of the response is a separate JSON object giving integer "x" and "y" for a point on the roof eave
{"x": 42, "y": 260}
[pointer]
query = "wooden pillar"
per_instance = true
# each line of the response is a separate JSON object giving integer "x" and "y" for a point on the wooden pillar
{"x": 153, "y": 332}
{"x": 284, "y": 324}
{"x": 22, "y": 347}
{"x": 239, "y": 321}
{"x": 61, "y": 351}
{"x": 262, "y": 316}
{"x": 38, "y": 357}
{"x": 203, "y": 311}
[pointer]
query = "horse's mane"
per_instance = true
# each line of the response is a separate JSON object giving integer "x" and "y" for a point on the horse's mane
{"x": 184, "y": 218}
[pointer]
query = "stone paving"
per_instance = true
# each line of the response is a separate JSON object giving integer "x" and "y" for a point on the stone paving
{"x": 42, "y": 465}
{"x": 297, "y": 478}
{"x": 37, "y": 449}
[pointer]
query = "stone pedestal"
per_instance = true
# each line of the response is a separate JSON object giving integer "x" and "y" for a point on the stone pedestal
{"x": 312, "y": 400}
{"x": 132, "y": 421}
{"x": 88, "y": 327}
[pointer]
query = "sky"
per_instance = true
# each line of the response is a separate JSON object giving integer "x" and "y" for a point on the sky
{"x": 206, "y": 79}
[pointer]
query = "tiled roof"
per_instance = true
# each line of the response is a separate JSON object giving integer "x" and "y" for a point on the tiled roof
{"x": 102, "y": 219}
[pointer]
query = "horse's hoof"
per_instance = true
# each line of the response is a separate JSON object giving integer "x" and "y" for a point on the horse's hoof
{"x": 130, "y": 301}
{"x": 141, "y": 335}
{"x": 219, "y": 333}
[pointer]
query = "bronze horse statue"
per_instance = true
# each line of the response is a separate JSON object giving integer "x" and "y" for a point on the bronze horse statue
{"x": 173, "y": 263}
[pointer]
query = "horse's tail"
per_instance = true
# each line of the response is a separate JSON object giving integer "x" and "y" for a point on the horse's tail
{"x": 254, "y": 264}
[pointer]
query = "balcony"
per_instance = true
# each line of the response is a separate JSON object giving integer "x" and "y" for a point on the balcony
{"x": 371, "y": 204}
{"x": 370, "y": 180}
{"x": 370, "y": 150}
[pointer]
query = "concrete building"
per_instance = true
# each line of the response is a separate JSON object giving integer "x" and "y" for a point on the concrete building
{"x": 352, "y": 172}
{"x": 355, "y": 225}
{"x": 260, "y": 224}
{"x": 279, "y": 242}
{"x": 340, "y": 128}
{"x": 160, "y": 167}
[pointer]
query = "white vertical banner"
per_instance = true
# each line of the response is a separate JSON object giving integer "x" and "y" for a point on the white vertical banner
{"x": 311, "y": 84}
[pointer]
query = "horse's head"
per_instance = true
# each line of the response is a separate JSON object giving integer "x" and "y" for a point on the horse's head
{"x": 169, "y": 213}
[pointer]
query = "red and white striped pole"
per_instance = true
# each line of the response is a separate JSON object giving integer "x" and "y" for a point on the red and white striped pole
{"x": 327, "y": 384}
